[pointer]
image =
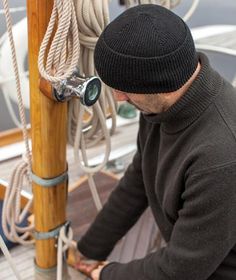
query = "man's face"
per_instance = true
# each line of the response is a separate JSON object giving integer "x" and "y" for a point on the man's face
{"x": 147, "y": 103}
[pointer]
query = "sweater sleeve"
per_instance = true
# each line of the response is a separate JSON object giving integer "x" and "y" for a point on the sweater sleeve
{"x": 123, "y": 208}
{"x": 202, "y": 237}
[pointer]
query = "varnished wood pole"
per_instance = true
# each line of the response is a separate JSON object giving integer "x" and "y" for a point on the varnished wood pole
{"x": 48, "y": 124}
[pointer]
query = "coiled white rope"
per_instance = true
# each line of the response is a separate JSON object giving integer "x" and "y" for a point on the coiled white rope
{"x": 11, "y": 213}
{"x": 63, "y": 54}
{"x": 92, "y": 18}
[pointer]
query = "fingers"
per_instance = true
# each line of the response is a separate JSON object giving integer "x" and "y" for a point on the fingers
{"x": 95, "y": 274}
{"x": 86, "y": 268}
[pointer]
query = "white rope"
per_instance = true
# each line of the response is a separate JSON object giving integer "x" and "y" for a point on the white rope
{"x": 63, "y": 54}
{"x": 92, "y": 16}
{"x": 191, "y": 10}
{"x": 79, "y": 138}
{"x": 65, "y": 241}
{"x": 9, "y": 258}
{"x": 11, "y": 213}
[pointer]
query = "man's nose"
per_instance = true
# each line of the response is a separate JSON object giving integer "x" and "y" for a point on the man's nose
{"x": 120, "y": 96}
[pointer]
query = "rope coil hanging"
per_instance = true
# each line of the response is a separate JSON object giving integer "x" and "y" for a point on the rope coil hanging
{"x": 92, "y": 18}
{"x": 63, "y": 54}
{"x": 11, "y": 212}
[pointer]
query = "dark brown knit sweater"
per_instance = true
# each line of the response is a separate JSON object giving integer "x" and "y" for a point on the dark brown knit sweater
{"x": 185, "y": 170}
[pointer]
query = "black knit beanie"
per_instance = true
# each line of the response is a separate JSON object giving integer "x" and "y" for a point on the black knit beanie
{"x": 147, "y": 49}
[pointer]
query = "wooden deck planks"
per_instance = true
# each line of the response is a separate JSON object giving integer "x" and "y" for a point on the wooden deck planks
{"x": 81, "y": 212}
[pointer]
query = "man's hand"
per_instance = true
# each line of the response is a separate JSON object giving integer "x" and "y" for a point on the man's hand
{"x": 80, "y": 262}
{"x": 85, "y": 265}
{"x": 95, "y": 274}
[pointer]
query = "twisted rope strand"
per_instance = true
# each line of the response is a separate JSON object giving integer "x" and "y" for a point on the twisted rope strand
{"x": 64, "y": 50}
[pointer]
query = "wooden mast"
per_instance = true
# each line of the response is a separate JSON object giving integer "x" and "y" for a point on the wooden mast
{"x": 48, "y": 123}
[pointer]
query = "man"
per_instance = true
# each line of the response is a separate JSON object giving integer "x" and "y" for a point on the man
{"x": 185, "y": 165}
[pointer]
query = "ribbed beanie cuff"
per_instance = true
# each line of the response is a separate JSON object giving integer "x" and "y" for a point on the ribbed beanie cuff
{"x": 165, "y": 62}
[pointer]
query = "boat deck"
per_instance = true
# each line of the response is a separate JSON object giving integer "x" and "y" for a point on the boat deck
{"x": 81, "y": 210}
